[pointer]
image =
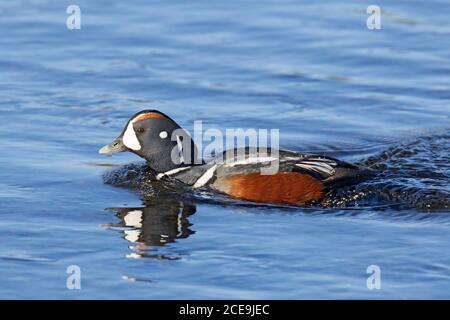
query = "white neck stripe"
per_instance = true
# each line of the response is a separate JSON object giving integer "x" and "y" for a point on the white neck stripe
{"x": 171, "y": 172}
{"x": 205, "y": 177}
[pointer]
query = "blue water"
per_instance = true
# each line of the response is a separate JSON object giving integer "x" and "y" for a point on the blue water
{"x": 312, "y": 70}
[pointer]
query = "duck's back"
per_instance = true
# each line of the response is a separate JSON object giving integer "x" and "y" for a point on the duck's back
{"x": 274, "y": 176}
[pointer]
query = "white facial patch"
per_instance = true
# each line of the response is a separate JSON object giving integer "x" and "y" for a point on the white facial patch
{"x": 163, "y": 134}
{"x": 130, "y": 139}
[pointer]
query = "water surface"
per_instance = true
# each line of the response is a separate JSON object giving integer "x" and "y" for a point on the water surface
{"x": 312, "y": 70}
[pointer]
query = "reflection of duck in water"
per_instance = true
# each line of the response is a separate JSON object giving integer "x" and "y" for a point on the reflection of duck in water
{"x": 155, "y": 225}
{"x": 299, "y": 179}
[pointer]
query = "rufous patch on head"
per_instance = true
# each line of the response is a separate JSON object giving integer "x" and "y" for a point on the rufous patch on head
{"x": 282, "y": 188}
{"x": 149, "y": 115}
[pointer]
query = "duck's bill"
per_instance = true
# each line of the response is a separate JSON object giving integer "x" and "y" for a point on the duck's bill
{"x": 115, "y": 146}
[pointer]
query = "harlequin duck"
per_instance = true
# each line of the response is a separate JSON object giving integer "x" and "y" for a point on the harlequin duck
{"x": 300, "y": 178}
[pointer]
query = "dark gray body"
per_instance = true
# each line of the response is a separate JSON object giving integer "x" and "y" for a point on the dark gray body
{"x": 330, "y": 171}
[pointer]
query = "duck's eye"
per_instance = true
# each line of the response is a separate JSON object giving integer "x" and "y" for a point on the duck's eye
{"x": 163, "y": 134}
{"x": 140, "y": 130}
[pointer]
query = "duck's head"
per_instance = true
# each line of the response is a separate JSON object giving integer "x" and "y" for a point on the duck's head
{"x": 158, "y": 139}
